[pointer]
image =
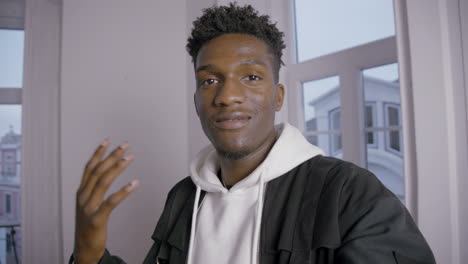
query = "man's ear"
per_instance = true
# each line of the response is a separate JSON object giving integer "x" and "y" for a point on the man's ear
{"x": 195, "y": 104}
{"x": 279, "y": 96}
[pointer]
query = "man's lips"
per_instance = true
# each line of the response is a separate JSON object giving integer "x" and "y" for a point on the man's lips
{"x": 231, "y": 121}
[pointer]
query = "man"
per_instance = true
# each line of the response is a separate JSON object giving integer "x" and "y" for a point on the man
{"x": 259, "y": 193}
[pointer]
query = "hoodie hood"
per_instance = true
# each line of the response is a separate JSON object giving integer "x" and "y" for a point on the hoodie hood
{"x": 289, "y": 150}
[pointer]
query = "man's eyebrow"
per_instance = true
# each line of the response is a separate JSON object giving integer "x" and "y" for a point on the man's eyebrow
{"x": 212, "y": 68}
{"x": 207, "y": 67}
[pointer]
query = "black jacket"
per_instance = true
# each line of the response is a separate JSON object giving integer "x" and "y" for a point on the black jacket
{"x": 323, "y": 211}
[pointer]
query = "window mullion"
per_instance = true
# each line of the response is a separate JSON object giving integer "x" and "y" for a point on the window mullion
{"x": 10, "y": 95}
{"x": 352, "y": 116}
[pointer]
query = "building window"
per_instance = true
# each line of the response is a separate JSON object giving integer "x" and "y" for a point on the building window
{"x": 393, "y": 139}
{"x": 8, "y": 170}
{"x": 8, "y": 203}
{"x": 370, "y": 120}
{"x": 9, "y": 157}
{"x": 8, "y": 243}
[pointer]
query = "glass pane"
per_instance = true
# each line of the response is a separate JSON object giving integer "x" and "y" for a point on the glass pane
{"x": 370, "y": 138}
{"x": 324, "y": 27}
{"x": 384, "y": 156}
{"x": 393, "y": 116}
{"x": 320, "y": 97}
{"x": 10, "y": 119}
{"x": 8, "y": 203}
{"x": 321, "y": 100}
{"x": 369, "y": 122}
{"x": 388, "y": 167}
{"x": 395, "y": 140}
{"x": 368, "y": 118}
{"x": 10, "y": 180}
{"x": 11, "y": 58}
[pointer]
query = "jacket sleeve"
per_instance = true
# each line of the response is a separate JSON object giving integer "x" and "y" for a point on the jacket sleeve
{"x": 106, "y": 259}
{"x": 376, "y": 227}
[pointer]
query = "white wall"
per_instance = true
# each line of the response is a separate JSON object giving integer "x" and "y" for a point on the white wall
{"x": 197, "y": 139}
{"x": 440, "y": 122}
{"x": 123, "y": 75}
{"x": 463, "y": 183}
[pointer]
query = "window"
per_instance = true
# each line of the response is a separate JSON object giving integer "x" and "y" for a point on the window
{"x": 393, "y": 140}
{"x": 9, "y": 170}
{"x": 11, "y": 83}
{"x": 8, "y": 243}
{"x": 9, "y": 157}
{"x": 370, "y": 119}
{"x": 8, "y": 203}
{"x": 355, "y": 44}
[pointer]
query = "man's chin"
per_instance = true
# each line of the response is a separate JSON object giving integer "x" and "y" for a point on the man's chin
{"x": 232, "y": 154}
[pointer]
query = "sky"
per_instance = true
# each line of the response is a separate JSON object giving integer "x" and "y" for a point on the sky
{"x": 324, "y": 27}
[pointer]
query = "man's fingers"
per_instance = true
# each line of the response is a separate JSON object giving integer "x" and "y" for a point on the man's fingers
{"x": 95, "y": 159}
{"x": 101, "y": 169}
{"x": 115, "y": 156}
{"x": 102, "y": 185}
{"x": 116, "y": 198}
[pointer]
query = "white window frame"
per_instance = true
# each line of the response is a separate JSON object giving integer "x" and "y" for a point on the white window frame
{"x": 334, "y": 137}
{"x": 370, "y": 55}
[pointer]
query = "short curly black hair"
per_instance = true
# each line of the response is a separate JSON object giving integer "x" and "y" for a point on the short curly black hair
{"x": 220, "y": 20}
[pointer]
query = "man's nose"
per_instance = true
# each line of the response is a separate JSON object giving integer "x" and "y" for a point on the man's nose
{"x": 229, "y": 92}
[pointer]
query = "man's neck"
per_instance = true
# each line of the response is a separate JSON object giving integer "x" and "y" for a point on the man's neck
{"x": 233, "y": 171}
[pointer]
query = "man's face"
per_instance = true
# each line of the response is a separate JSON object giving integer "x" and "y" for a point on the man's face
{"x": 236, "y": 97}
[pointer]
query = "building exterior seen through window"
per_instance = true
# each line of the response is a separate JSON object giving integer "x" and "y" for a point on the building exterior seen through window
{"x": 385, "y": 159}
{"x": 321, "y": 124}
{"x": 11, "y": 75}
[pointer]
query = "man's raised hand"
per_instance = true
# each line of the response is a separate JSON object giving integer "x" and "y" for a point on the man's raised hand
{"x": 92, "y": 210}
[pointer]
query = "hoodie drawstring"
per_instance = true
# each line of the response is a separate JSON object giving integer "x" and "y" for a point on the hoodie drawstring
{"x": 258, "y": 221}
{"x": 194, "y": 222}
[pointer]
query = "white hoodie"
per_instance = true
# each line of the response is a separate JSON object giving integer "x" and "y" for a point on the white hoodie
{"x": 226, "y": 226}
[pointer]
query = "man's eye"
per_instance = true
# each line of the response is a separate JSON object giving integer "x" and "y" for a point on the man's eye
{"x": 254, "y": 78}
{"x": 209, "y": 82}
